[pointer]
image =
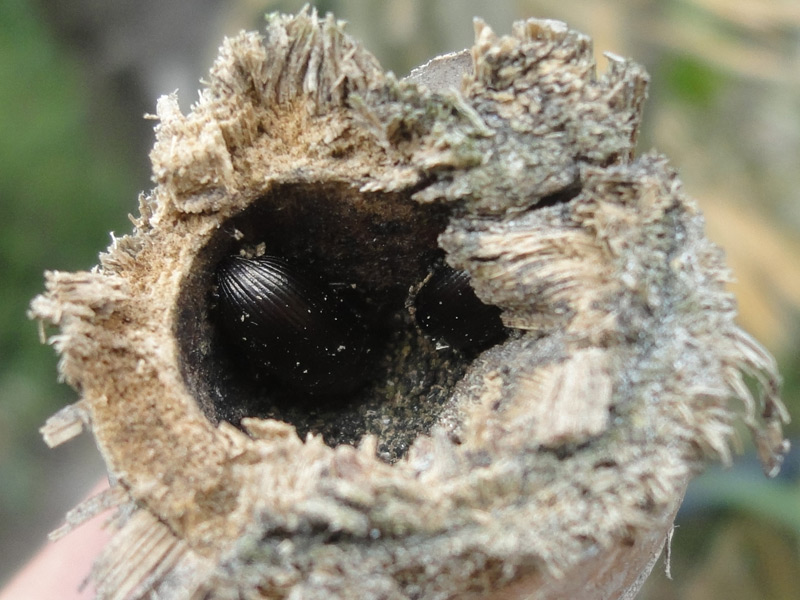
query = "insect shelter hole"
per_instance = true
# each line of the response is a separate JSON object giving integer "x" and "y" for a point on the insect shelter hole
{"x": 297, "y": 309}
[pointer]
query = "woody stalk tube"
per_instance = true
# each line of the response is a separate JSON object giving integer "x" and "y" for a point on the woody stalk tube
{"x": 546, "y": 462}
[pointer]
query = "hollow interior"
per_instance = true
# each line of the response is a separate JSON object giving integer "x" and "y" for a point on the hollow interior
{"x": 375, "y": 247}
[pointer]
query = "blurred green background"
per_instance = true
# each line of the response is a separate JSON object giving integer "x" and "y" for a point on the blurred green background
{"x": 76, "y": 78}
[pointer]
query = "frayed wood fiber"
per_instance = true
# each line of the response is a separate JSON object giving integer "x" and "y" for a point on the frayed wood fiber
{"x": 547, "y": 466}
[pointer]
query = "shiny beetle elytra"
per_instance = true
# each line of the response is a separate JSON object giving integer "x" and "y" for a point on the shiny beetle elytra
{"x": 291, "y": 326}
{"x": 446, "y": 307}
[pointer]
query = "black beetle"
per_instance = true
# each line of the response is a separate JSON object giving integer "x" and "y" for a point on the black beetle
{"x": 446, "y": 307}
{"x": 292, "y": 326}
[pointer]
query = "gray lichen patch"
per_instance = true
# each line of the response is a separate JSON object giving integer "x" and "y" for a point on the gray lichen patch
{"x": 547, "y": 465}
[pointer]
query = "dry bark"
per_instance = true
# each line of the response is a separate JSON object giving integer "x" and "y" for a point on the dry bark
{"x": 549, "y": 466}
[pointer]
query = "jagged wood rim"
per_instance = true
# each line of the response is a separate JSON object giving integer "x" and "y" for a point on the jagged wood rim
{"x": 204, "y": 493}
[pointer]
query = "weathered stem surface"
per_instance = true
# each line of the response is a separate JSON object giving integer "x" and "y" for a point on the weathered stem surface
{"x": 549, "y": 466}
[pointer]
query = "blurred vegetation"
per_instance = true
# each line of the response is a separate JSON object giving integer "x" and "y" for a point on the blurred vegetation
{"x": 59, "y": 196}
{"x": 724, "y": 106}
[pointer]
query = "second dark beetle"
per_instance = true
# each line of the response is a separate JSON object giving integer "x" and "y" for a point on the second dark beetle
{"x": 447, "y": 308}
